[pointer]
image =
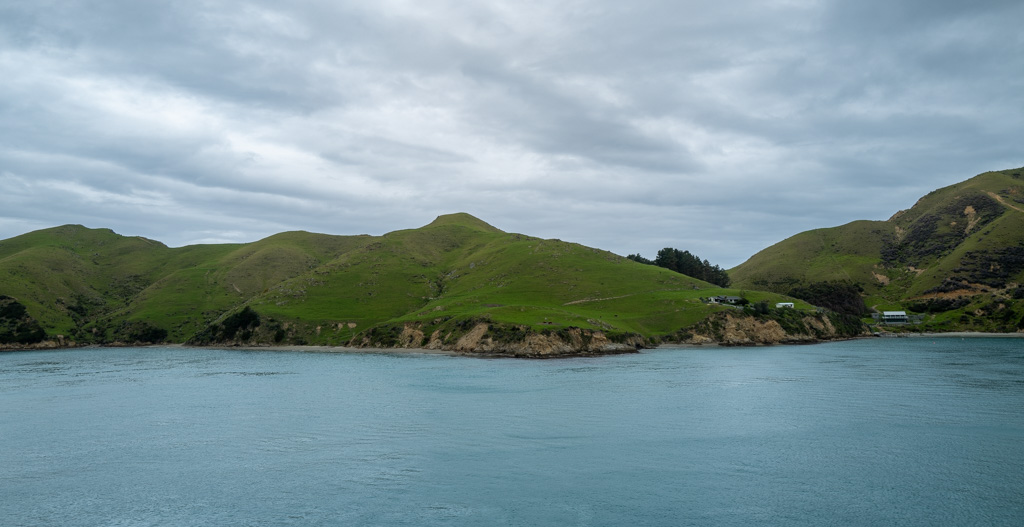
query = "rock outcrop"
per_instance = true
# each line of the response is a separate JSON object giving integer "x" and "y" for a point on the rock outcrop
{"x": 485, "y": 338}
{"x": 745, "y": 330}
{"x": 727, "y": 328}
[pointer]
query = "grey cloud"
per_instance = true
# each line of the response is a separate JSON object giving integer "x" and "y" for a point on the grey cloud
{"x": 719, "y": 128}
{"x": 551, "y": 123}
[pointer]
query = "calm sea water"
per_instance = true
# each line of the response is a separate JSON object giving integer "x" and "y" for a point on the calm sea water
{"x": 869, "y": 432}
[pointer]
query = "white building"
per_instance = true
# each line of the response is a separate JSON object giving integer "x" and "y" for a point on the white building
{"x": 894, "y": 317}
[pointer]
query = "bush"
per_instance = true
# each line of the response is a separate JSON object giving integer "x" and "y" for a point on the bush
{"x": 244, "y": 319}
{"x": 16, "y": 326}
{"x": 993, "y": 268}
{"x": 140, "y": 331}
{"x": 839, "y": 296}
{"x": 11, "y": 309}
{"x": 507, "y": 334}
{"x": 938, "y": 305}
{"x": 928, "y": 237}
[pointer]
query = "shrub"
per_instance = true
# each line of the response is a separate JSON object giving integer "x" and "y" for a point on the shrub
{"x": 247, "y": 319}
{"x": 938, "y": 305}
{"x": 16, "y": 326}
{"x": 839, "y": 296}
{"x": 140, "y": 331}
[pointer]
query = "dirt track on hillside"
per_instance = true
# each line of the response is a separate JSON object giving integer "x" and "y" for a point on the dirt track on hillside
{"x": 1000, "y": 199}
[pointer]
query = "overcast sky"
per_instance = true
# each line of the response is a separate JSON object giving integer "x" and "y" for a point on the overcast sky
{"x": 716, "y": 127}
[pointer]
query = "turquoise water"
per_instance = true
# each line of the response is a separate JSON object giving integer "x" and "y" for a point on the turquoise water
{"x": 868, "y": 432}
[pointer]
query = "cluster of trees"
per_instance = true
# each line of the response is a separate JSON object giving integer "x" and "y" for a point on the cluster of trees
{"x": 16, "y": 326}
{"x": 839, "y": 296}
{"x": 140, "y": 331}
{"x": 938, "y": 305}
{"x": 686, "y": 263}
{"x": 931, "y": 236}
{"x": 994, "y": 268}
{"x": 237, "y": 326}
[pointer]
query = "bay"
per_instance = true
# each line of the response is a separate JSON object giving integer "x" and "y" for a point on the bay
{"x": 867, "y": 432}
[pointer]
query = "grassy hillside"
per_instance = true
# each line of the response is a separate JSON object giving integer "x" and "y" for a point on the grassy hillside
{"x": 956, "y": 256}
{"x": 92, "y": 285}
{"x": 459, "y": 269}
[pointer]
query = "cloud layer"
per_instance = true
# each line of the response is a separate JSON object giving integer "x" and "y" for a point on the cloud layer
{"x": 715, "y": 127}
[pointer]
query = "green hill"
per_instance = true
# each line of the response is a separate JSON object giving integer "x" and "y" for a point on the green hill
{"x": 956, "y": 257}
{"x": 457, "y": 283}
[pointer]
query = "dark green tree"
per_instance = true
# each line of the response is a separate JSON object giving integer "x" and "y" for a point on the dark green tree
{"x": 839, "y": 296}
{"x": 16, "y": 326}
{"x": 640, "y": 259}
{"x": 684, "y": 262}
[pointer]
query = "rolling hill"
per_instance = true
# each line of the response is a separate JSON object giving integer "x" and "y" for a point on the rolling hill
{"x": 956, "y": 257}
{"x": 457, "y": 283}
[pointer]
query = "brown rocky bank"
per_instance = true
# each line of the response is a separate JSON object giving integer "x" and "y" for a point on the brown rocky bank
{"x": 58, "y": 342}
{"x": 485, "y": 338}
{"x": 725, "y": 329}
{"x": 730, "y": 329}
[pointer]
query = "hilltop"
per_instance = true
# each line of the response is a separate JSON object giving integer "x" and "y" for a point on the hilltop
{"x": 956, "y": 257}
{"x": 457, "y": 283}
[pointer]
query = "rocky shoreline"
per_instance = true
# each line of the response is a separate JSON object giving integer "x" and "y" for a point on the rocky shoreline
{"x": 733, "y": 332}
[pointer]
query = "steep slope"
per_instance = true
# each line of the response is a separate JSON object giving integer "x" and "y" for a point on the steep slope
{"x": 65, "y": 274}
{"x": 848, "y": 252}
{"x": 197, "y": 291}
{"x": 88, "y": 283}
{"x": 459, "y": 270}
{"x": 964, "y": 241}
{"x": 457, "y": 283}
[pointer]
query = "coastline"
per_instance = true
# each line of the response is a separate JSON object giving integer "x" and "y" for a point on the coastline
{"x": 53, "y": 346}
{"x": 964, "y": 334}
{"x": 319, "y": 349}
{"x": 386, "y": 351}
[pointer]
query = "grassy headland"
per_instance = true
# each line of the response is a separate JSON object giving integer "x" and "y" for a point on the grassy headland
{"x": 457, "y": 283}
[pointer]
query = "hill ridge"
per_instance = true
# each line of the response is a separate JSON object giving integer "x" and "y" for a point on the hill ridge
{"x": 956, "y": 257}
{"x": 963, "y": 242}
{"x": 457, "y": 283}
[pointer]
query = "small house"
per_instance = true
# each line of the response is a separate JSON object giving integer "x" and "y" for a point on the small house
{"x": 784, "y": 304}
{"x": 725, "y": 300}
{"x": 894, "y": 317}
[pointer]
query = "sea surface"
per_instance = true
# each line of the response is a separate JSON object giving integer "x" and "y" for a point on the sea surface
{"x": 911, "y": 431}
